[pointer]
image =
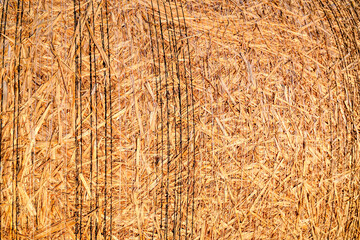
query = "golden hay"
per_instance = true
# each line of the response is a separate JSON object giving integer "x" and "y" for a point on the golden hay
{"x": 264, "y": 94}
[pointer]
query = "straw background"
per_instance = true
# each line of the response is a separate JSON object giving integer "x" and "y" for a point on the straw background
{"x": 253, "y": 136}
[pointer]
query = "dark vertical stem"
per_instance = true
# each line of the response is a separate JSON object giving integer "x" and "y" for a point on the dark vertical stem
{"x": 2, "y": 37}
{"x": 161, "y": 104}
{"x": 110, "y": 108}
{"x": 18, "y": 120}
{"x": 180, "y": 165}
{"x": 188, "y": 136}
{"x": 174, "y": 55}
{"x": 106, "y": 127}
{"x": 181, "y": 129}
{"x": 91, "y": 130}
{"x": 96, "y": 126}
{"x": 77, "y": 220}
{"x": 168, "y": 26}
{"x": 15, "y": 200}
{"x": 81, "y": 118}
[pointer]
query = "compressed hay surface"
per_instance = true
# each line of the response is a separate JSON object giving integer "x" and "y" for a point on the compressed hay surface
{"x": 263, "y": 93}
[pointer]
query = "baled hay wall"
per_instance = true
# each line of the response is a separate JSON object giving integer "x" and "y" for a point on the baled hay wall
{"x": 207, "y": 120}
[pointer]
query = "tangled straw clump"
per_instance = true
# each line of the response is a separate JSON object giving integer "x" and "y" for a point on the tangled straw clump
{"x": 179, "y": 119}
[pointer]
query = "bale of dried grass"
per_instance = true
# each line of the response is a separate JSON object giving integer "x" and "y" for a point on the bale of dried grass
{"x": 264, "y": 93}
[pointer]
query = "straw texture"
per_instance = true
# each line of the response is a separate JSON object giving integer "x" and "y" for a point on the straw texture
{"x": 153, "y": 119}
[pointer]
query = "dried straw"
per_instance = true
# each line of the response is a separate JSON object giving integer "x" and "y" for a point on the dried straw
{"x": 179, "y": 119}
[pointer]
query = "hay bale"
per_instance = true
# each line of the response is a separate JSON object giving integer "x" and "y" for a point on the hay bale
{"x": 182, "y": 119}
